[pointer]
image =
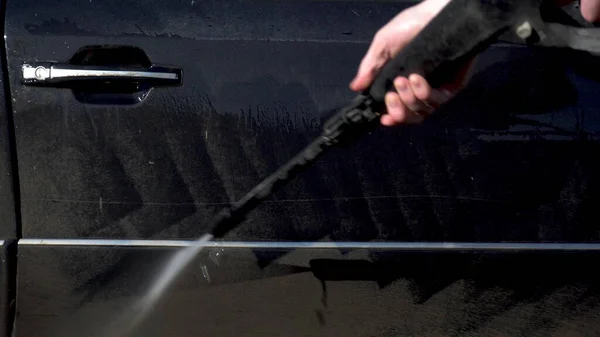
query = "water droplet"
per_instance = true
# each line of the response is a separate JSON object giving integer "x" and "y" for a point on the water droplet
{"x": 216, "y": 255}
{"x": 205, "y": 273}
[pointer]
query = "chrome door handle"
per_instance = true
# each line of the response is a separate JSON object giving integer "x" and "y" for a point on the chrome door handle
{"x": 65, "y": 74}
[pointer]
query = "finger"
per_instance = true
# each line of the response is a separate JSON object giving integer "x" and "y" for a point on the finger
{"x": 368, "y": 69}
{"x": 408, "y": 97}
{"x": 388, "y": 120}
{"x": 590, "y": 10}
{"x": 370, "y": 65}
{"x": 426, "y": 94}
{"x": 398, "y": 112}
{"x": 395, "y": 109}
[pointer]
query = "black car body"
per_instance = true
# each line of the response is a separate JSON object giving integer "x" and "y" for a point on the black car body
{"x": 481, "y": 222}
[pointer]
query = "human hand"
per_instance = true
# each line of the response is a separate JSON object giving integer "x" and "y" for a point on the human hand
{"x": 414, "y": 99}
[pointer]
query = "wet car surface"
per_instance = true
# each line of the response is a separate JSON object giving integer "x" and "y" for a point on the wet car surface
{"x": 410, "y": 222}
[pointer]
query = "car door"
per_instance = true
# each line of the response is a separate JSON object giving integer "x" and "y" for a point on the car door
{"x": 115, "y": 178}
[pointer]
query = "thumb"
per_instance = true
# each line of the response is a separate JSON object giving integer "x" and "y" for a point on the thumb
{"x": 369, "y": 66}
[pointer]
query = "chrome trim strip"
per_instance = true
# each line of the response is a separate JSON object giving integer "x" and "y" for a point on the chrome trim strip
{"x": 404, "y": 246}
{"x": 78, "y": 73}
{"x": 41, "y": 73}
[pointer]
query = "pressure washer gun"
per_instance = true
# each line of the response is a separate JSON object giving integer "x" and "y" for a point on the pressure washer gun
{"x": 463, "y": 29}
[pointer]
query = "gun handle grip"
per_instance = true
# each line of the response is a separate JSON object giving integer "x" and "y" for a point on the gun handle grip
{"x": 461, "y": 30}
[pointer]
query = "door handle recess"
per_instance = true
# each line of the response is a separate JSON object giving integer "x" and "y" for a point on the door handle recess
{"x": 104, "y": 74}
{"x": 67, "y": 75}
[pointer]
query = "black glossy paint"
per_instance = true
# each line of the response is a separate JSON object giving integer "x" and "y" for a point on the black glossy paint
{"x": 441, "y": 294}
{"x": 251, "y": 95}
{"x": 511, "y": 159}
{"x": 161, "y": 169}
